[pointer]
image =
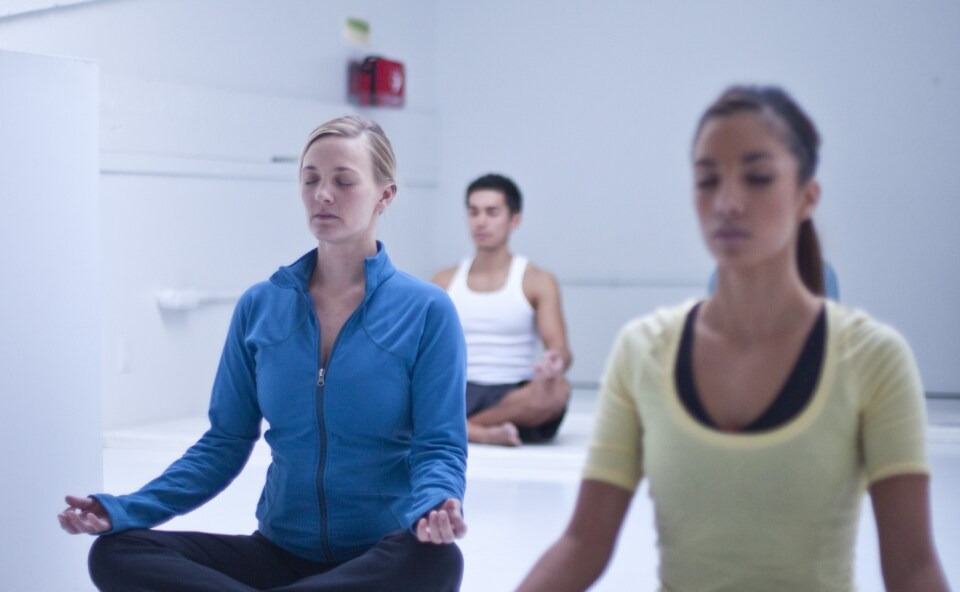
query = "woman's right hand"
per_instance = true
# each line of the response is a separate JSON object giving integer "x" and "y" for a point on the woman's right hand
{"x": 84, "y": 515}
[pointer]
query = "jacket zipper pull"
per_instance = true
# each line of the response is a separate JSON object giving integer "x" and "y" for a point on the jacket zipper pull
{"x": 320, "y": 378}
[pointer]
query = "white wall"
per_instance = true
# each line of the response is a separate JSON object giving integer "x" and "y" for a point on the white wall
{"x": 203, "y": 105}
{"x": 15, "y": 7}
{"x": 591, "y": 107}
{"x": 50, "y": 342}
{"x": 287, "y": 48}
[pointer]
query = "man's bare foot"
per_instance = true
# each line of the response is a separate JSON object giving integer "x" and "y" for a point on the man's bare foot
{"x": 504, "y": 434}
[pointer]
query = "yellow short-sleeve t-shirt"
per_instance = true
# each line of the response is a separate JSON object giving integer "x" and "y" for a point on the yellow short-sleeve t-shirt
{"x": 773, "y": 510}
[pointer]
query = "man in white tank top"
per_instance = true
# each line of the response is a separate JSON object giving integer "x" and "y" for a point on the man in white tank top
{"x": 508, "y": 307}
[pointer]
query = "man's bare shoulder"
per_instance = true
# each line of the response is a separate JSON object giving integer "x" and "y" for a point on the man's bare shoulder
{"x": 537, "y": 280}
{"x": 443, "y": 277}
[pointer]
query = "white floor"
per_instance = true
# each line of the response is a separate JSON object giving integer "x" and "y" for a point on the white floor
{"x": 518, "y": 500}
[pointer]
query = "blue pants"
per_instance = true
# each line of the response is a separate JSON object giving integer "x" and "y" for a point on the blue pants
{"x": 166, "y": 561}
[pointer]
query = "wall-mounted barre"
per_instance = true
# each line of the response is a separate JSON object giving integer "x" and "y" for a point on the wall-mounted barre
{"x": 190, "y": 299}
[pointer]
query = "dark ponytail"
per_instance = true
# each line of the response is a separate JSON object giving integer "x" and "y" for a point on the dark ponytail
{"x": 803, "y": 141}
{"x": 809, "y": 259}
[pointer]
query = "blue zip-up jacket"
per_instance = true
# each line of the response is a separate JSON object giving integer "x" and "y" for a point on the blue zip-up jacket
{"x": 360, "y": 448}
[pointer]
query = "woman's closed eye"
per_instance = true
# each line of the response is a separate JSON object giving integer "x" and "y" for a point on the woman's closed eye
{"x": 707, "y": 182}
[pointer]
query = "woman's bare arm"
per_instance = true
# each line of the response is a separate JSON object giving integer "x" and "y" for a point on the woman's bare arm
{"x": 581, "y": 554}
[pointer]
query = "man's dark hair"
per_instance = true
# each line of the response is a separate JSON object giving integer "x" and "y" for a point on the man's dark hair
{"x": 509, "y": 189}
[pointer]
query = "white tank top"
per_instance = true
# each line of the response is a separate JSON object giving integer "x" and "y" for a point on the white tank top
{"x": 499, "y": 326}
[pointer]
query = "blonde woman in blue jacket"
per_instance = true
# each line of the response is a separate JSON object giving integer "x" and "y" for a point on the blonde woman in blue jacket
{"x": 359, "y": 370}
{"x": 761, "y": 415}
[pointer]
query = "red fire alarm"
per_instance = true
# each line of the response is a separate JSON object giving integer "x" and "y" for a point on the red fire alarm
{"x": 377, "y": 81}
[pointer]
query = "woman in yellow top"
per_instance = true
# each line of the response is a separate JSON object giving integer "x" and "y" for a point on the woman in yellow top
{"x": 760, "y": 415}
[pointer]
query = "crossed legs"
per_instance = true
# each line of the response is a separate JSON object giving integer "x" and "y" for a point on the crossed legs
{"x": 530, "y": 412}
{"x": 167, "y": 561}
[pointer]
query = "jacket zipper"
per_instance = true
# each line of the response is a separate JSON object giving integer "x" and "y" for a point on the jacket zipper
{"x": 321, "y": 421}
{"x": 321, "y": 426}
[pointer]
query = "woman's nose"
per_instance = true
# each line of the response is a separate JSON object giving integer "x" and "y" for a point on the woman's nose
{"x": 322, "y": 193}
{"x": 728, "y": 199}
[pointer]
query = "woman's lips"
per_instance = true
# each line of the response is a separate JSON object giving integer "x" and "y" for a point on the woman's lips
{"x": 730, "y": 234}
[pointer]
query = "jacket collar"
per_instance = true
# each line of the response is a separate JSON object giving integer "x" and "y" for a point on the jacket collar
{"x": 377, "y": 269}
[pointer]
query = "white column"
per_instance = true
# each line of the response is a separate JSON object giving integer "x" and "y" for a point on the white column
{"x": 50, "y": 443}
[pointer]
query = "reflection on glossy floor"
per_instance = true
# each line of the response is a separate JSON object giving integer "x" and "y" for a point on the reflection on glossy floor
{"x": 518, "y": 501}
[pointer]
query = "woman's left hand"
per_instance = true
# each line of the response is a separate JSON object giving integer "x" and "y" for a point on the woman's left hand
{"x": 443, "y": 524}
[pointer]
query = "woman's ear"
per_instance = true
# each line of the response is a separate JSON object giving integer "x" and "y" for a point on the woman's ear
{"x": 810, "y": 197}
{"x": 386, "y": 197}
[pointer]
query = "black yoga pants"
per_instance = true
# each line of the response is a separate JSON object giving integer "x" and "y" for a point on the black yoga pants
{"x": 167, "y": 561}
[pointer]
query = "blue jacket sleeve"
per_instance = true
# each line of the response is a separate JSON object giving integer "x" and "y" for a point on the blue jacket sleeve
{"x": 208, "y": 466}
{"x": 439, "y": 450}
